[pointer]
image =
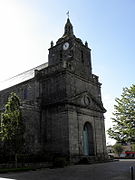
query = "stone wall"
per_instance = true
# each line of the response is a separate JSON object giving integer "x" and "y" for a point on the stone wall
{"x": 28, "y": 93}
{"x": 77, "y": 119}
{"x": 55, "y": 130}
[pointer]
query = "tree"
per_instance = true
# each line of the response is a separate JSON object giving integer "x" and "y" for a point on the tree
{"x": 123, "y": 129}
{"x": 12, "y": 129}
{"x": 118, "y": 149}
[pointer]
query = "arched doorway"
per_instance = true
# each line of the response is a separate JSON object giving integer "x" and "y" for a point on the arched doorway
{"x": 88, "y": 143}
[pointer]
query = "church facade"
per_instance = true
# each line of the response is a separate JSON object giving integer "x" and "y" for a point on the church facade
{"x": 61, "y": 101}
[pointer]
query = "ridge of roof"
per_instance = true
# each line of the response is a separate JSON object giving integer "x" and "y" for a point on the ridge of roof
{"x": 22, "y": 77}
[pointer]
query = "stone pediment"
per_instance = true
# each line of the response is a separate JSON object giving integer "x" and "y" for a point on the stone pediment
{"x": 86, "y": 100}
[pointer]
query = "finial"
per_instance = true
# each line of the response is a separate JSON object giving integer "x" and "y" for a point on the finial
{"x": 67, "y": 14}
{"x": 51, "y": 43}
{"x": 86, "y": 44}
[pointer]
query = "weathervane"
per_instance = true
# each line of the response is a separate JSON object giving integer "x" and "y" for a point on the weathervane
{"x": 67, "y": 14}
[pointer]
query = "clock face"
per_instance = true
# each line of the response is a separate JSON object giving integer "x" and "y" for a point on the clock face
{"x": 65, "y": 46}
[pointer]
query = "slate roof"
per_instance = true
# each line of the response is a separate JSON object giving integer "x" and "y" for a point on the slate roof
{"x": 27, "y": 75}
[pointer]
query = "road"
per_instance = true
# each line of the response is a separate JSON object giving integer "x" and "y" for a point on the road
{"x": 103, "y": 171}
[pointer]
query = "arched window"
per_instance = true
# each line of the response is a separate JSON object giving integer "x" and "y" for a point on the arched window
{"x": 88, "y": 143}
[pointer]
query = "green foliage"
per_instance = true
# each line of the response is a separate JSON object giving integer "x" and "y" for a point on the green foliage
{"x": 123, "y": 129}
{"x": 12, "y": 128}
{"x": 118, "y": 149}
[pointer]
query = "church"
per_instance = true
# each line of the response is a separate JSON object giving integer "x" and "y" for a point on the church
{"x": 61, "y": 101}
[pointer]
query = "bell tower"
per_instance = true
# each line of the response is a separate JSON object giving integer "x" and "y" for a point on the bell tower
{"x": 72, "y": 109}
{"x": 72, "y": 51}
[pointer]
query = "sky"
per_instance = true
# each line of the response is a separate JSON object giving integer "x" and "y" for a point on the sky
{"x": 28, "y": 26}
